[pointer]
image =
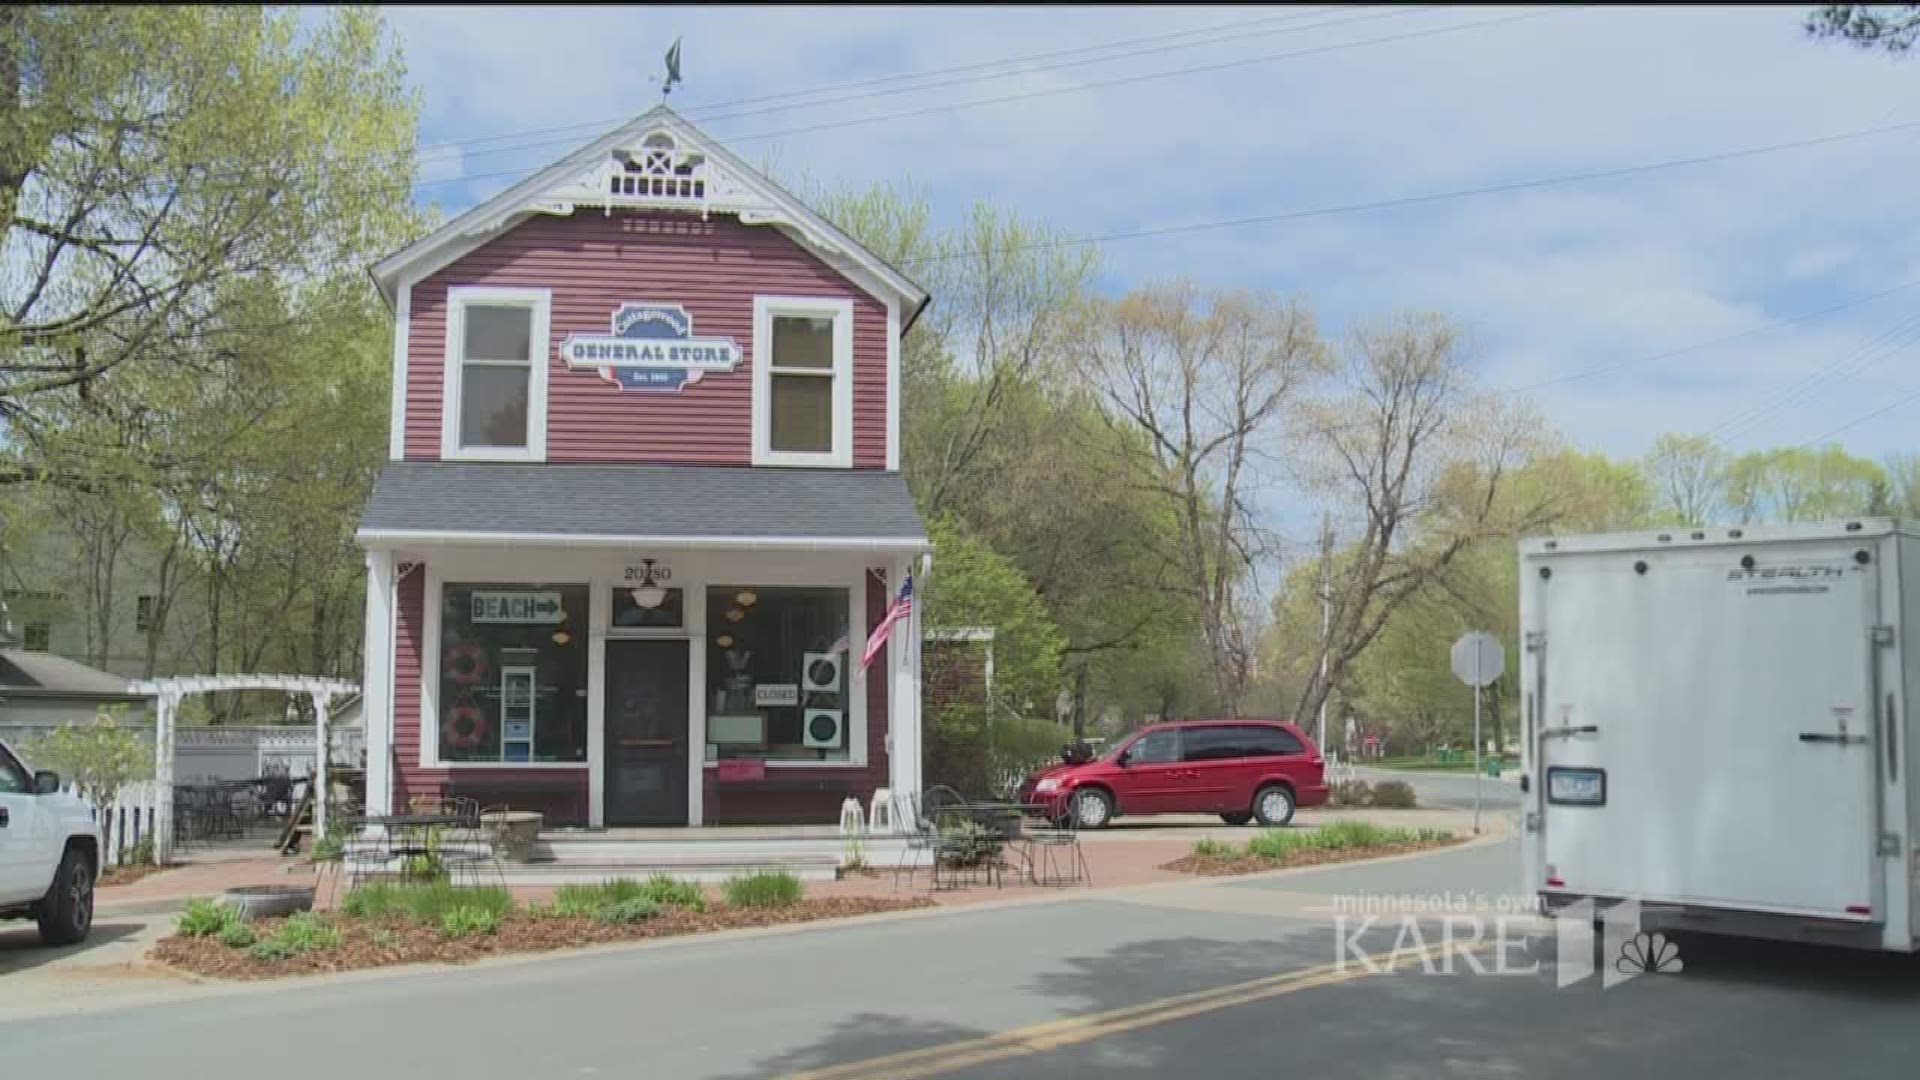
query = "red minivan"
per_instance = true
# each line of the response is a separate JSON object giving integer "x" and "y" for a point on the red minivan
{"x": 1240, "y": 769}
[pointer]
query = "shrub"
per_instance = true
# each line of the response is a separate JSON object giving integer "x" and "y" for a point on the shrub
{"x": 1214, "y": 849}
{"x": 1338, "y": 835}
{"x": 238, "y": 935}
{"x": 423, "y": 901}
{"x": 304, "y": 931}
{"x": 589, "y": 899}
{"x": 1430, "y": 836}
{"x": 1277, "y": 843}
{"x": 635, "y": 910}
{"x": 205, "y": 918}
{"x": 140, "y": 854}
{"x": 271, "y": 948}
{"x": 1393, "y": 795}
{"x": 466, "y": 921}
{"x": 768, "y": 888}
{"x": 662, "y": 889}
{"x": 384, "y": 938}
{"x": 1353, "y": 793}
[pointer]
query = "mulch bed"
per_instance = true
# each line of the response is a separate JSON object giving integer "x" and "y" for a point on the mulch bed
{"x": 126, "y": 875}
{"x": 1216, "y": 866}
{"x": 395, "y": 940}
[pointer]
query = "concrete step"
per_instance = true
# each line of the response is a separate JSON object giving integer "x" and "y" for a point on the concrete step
{"x": 603, "y": 850}
{"x": 690, "y": 868}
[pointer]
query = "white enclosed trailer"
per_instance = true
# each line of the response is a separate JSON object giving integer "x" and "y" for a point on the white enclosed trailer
{"x": 1717, "y": 726}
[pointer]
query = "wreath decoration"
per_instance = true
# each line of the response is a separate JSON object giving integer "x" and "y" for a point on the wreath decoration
{"x": 465, "y": 663}
{"x": 465, "y": 727}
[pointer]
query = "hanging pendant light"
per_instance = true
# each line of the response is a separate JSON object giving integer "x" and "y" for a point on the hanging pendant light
{"x": 648, "y": 594}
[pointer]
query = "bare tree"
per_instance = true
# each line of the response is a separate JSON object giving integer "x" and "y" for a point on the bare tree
{"x": 1209, "y": 378}
{"x": 1689, "y": 476}
{"x": 1421, "y": 460}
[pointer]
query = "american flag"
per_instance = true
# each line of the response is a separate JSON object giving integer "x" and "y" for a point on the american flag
{"x": 901, "y": 607}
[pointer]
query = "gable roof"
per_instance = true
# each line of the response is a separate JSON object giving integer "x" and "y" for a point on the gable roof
{"x": 578, "y": 181}
{"x": 28, "y": 673}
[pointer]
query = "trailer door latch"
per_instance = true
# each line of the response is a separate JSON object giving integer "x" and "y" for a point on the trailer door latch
{"x": 1889, "y": 843}
{"x": 1532, "y": 821}
{"x": 1883, "y": 635}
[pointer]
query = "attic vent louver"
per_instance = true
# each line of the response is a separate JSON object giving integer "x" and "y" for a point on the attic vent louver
{"x": 660, "y": 171}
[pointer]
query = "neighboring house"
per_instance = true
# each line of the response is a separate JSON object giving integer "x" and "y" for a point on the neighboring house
{"x": 643, "y": 503}
{"x": 39, "y": 690}
{"x": 58, "y": 592}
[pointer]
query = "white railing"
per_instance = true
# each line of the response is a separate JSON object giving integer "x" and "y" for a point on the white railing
{"x": 132, "y": 817}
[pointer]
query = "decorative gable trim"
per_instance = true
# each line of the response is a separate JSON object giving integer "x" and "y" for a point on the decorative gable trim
{"x": 655, "y": 162}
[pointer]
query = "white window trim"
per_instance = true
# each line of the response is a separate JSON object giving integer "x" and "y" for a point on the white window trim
{"x": 430, "y": 678}
{"x": 840, "y": 310}
{"x": 453, "y": 360}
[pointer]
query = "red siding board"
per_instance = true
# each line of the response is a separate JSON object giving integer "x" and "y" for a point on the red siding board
{"x": 593, "y": 262}
{"x": 725, "y": 803}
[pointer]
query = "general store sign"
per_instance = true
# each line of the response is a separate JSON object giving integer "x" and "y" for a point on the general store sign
{"x": 516, "y": 607}
{"x": 652, "y": 347}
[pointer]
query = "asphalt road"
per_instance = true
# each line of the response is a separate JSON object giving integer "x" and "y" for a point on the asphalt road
{"x": 1236, "y": 978}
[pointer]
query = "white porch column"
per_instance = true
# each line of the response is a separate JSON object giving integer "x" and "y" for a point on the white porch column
{"x": 321, "y": 752}
{"x": 164, "y": 707}
{"x": 903, "y": 654}
{"x": 376, "y": 682}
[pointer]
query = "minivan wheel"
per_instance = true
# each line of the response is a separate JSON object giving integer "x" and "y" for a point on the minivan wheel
{"x": 66, "y": 913}
{"x": 1273, "y": 805}
{"x": 1237, "y": 817}
{"x": 1092, "y": 808}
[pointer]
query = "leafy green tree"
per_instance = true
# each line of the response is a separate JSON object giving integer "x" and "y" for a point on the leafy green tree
{"x": 161, "y": 168}
{"x": 1801, "y": 484}
{"x": 1892, "y": 27}
{"x": 100, "y": 757}
{"x": 1688, "y": 476}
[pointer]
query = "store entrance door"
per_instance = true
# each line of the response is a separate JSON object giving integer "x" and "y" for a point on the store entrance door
{"x": 646, "y": 751}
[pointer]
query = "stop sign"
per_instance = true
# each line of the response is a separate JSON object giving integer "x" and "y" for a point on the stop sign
{"x": 1478, "y": 658}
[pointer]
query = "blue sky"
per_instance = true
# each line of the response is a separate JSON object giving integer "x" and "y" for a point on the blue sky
{"x": 1552, "y": 282}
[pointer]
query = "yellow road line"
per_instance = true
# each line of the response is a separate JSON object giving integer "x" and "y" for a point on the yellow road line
{"x": 1068, "y": 1031}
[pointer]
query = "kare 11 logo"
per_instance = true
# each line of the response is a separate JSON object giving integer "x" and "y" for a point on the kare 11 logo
{"x": 652, "y": 347}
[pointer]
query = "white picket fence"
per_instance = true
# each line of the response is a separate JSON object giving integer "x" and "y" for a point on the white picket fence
{"x": 132, "y": 816}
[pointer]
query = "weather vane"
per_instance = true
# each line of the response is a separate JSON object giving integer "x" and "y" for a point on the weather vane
{"x": 673, "y": 70}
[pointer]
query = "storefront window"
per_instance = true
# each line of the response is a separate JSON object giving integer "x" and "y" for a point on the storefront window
{"x": 777, "y": 673}
{"x": 513, "y": 673}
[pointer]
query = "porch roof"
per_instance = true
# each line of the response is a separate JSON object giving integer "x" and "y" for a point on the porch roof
{"x": 580, "y": 504}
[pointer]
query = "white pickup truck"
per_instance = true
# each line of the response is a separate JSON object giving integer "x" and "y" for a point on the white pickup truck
{"x": 49, "y": 853}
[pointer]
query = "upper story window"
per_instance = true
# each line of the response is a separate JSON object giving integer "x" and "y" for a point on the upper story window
{"x": 495, "y": 405}
{"x": 802, "y": 381}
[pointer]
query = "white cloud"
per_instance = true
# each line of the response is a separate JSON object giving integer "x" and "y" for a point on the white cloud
{"x": 1552, "y": 281}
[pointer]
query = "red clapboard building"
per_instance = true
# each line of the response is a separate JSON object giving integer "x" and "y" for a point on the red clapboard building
{"x": 642, "y": 504}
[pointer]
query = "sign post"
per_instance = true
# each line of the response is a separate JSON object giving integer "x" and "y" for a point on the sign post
{"x": 1477, "y": 660}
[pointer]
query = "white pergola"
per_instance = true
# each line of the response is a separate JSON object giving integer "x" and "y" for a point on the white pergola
{"x": 167, "y": 694}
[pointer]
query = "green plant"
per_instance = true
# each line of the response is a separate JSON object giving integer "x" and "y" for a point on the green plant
{"x": 662, "y": 889}
{"x": 384, "y": 938}
{"x": 966, "y": 843}
{"x": 1214, "y": 849}
{"x": 140, "y": 854}
{"x": 638, "y": 909}
{"x": 305, "y": 930}
{"x": 467, "y": 921}
{"x": 205, "y": 918}
{"x": 238, "y": 935}
{"x": 768, "y": 888}
{"x": 422, "y": 901}
{"x": 99, "y": 756}
{"x": 328, "y": 848}
{"x": 586, "y": 899}
{"x": 271, "y": 948}
{"x": 1393, "y": 795}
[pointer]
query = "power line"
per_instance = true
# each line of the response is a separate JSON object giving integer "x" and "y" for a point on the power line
{"x": 403, "y": 187}
{"x": 1247, "y": 26}
{"x": 1864, "y": 417}
{"x": 1874, "y": 349}
{"x": 1767, "y": 327}
{"x": 868, "y": 95}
